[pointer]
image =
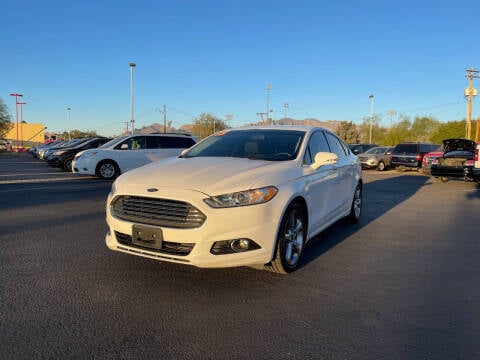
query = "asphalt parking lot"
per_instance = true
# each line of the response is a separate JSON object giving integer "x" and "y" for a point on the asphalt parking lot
{"x": 403, "y": 283}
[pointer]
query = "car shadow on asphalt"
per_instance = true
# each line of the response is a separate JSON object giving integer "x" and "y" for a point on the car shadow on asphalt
{"x": 379, "y": 197}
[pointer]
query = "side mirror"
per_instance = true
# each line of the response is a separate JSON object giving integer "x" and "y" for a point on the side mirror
{"x": 124, "y": 147}
{"x": 324, "y": 158}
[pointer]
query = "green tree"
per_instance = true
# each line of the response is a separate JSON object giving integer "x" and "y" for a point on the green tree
{"x": 378, "y": 132}
{"x": 5, "y": 123}
{"x": 423, "y": 128}
{"x": 348, "y": 132}
{"x": 399, "y": 132}
{"x": 449, "y": 130}
{"x": 206, "y": 124}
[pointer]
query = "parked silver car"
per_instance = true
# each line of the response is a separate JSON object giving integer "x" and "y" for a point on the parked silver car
{"x": 377, "y": 157}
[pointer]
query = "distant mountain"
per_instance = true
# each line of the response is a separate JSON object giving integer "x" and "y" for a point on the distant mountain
{"x": 328, "y": 124}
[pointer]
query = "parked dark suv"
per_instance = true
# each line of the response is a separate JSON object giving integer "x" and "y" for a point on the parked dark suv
{"x": 410, "y": 155}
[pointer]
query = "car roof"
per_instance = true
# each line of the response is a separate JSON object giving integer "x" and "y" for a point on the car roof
{"x": 305, "y": 128}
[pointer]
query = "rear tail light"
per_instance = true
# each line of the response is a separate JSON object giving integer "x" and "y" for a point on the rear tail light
{"x": 424, "y": 161}
{"x": 476, "y": 154}
{"x": 419, "y": 157}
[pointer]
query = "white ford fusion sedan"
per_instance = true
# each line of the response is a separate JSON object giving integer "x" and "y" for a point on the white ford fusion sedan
{"x": 248, "y": 196}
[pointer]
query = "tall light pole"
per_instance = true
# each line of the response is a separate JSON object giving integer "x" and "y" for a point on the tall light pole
{"x": 16, "y": 112}
{"x": 132, "y": 119}
{"x": 68, "y": 122}
{"x": 371, "y": 116}
{"x": 21, "y": 119}
{"x": 269, "y": 87}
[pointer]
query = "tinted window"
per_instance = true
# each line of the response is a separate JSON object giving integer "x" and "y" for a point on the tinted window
{"x": 318, "y": 143}
{"x": 335, "y": 145}
{"x": 406, "y": 148}
{"x": 169, "y": 142}
{"x": 133, "y": 143}
{"x": 427, "y": 147}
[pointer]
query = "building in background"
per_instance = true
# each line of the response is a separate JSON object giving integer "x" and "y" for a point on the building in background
{"x": 28, "y": 134}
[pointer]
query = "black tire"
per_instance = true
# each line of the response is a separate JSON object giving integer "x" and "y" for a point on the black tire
{"x": 356, "y": 207}
{"x": 290, "y": 241}
{"x": 107, "y": 169}
{"x": 381, "y": 166}
{"x": 67, "y": 164}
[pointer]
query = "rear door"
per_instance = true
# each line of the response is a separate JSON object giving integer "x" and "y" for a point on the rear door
{"x": 164, "y": 146}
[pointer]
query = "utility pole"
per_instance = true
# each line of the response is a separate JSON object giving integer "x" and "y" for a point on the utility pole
{"x": 285, "y": 109}
{"x": 228, "y": 118}
{"x": 164, "y": 118}
{"x": 392, "y": 113}
{"x": 132, "y": 118}
{"x": 269, "y": 87}
{"x": 470, "y": 92}
{"x": 478, "y": 129}
{"x": 372, "y": 97}
{"x": 164, "y": 112}
{"x": 68, "y": 122}
{"x": 21, "y": 119}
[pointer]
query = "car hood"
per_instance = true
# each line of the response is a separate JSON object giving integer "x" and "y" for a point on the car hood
{"x": 210, "y": 175}
{"x": 459, "y": 145}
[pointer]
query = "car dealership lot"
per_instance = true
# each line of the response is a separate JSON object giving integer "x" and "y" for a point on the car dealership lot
{"x": 402, "y": 283}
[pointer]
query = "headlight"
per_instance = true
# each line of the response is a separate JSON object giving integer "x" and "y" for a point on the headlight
{"x": 242, "y": 198}
{"x": 113, "y": 190}
{"x": 59, "y": 152}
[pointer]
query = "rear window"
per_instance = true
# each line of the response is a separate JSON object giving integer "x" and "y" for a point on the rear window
{"x": 406, "y": 148}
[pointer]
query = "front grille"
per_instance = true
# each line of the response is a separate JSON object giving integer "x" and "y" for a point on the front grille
{"x": 159, "y": 212}
{"x": 173, "y": 248}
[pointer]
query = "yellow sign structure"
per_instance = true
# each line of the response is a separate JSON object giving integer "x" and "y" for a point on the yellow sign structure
{"x": 26, "y": 133}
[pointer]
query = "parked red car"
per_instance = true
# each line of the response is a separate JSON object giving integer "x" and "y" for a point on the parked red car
{"x": 429, "y": 157}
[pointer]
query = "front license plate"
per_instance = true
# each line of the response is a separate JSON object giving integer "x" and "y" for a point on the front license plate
{"x": 147, "y": 236}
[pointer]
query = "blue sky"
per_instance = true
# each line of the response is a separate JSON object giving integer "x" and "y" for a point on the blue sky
{"x": 324, "y": 58}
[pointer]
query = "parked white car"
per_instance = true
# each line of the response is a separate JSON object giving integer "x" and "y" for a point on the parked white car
{"x": 129, "y": 152}
{"x": 247, "y": 196}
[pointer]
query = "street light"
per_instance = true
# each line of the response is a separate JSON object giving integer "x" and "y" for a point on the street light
{"x": 16, "y": 112}
{"x": 371, "y": 116}
{"x": 21, "y": 119}
{"x": 68, "y": 122}
{"x": 132, "y": 120}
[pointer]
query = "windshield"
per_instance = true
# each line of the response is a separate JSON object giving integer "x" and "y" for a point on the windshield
{"x": 113, "y": 142}
{"x": 376, "y": 150}
{"x": 258, "y": 144}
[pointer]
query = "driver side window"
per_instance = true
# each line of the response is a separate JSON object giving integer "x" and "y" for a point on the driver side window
{"x": 317, "y": 143}
{"x": 134, "y": 143}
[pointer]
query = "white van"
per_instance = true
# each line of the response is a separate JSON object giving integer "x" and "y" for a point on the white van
{"x": 129, "y": 152}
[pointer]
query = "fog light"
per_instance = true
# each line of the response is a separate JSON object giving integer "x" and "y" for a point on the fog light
{"x": 233, "y": 246}
{"x": 240, "y": 245}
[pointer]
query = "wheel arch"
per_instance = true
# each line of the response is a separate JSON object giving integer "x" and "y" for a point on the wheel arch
{"x": 107, "y": 160}
{"x": 303, "y": 203}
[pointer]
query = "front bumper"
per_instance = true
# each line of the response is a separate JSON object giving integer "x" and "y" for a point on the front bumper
{"x": 54, "y": 161}
{"x": 85, "y": 166}
{"x": 258, "y": 223}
